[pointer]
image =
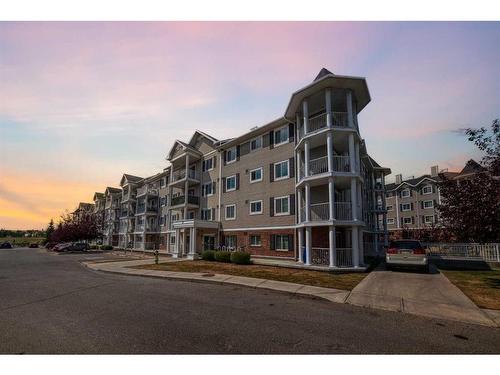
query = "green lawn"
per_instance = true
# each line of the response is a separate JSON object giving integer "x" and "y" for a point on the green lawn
{"x": 482, "y": 287}
{"x": 21, "y": 241}
{"x": 345, "y": 281}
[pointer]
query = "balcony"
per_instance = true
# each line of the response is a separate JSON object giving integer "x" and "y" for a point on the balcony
{"x": 318, "y": 122}
{"x": 147, "y": 190}
{"x": 321, "y": 256}
{"x": 146, "y": 209}
{"x": 180, "y": 174}
{"x": 341, "y": 163}
{"x": 321, "y": 212}
{"x": 191, "y": 199}
{"x": 123, "y": 213}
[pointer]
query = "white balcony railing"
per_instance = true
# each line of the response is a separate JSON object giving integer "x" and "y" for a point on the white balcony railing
{"x": 318, "y": 166}
{"x": 320, "y": 211}
{"x": 320, "y": 256}
{"x": 318, "y": 122}
{"x": 341, "y": 163}
{"x": 343, "y": 210}
{"x": 146, "y": 190}
{"x": 181, "y": 174}
{"x": 344, "y": 256}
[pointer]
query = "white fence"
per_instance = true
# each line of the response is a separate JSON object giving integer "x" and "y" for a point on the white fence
{"x": 489, "y": 252}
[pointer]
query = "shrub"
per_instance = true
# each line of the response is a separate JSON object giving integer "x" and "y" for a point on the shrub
{"x": 208, "y": 255}
{"x": 239, "y": 257}
{"x": 106, "y": 247}
{"x": 223, "y": 256}
{"x": 93, "y": 247}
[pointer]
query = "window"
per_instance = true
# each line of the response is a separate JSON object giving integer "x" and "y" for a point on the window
{"x": 428, "y": 204}
{"x": 255, "y": 240}
{"x": 230, "y": 241}
{"x": 255, "y": 207}
{"x": 429, "y": 219}
{"x": 406, "y": 207}
{"x": 231, "y": 155}
{"x": 407, "y": 220}
{"x": 389, "y": 208}
{"x": 163, "y": 182}
{"x": 231, "y": 212}
{"x": 206, "y": 214}
{"x": 231, "y": 183}
{"x": 207, "y": 165}
{"x": 172, "y": 240}
{"x": 426, "y": 190}
{"x": 281, "y": 170}
{"x": 388, "y": 195}
{"x": 390, "y": 221}
{"x": 281, "y": 136}
{"x": 282, "y": 242}
{"x": 281, "y": 206}
{"x": 255, "y": 144}
{"x": 207, "y": 189}
{"x": 405, "y": 193}
{"x": 163, "y": 201}
{"x": 256, "y": 175}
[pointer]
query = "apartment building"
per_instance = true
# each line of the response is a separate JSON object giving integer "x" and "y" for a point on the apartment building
{"x": 301, "y": 187}
{"x": 82, "y": 210}
{"x": 412, "y": 203}
{"x": 112, "y": 202}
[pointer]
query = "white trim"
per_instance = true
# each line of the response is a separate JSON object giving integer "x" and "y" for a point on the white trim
{"x": 205, "y": 160}
{"x": 389, "y": 208}
{"x": 405, "y": 204}
{"x": 261, "y": 207}
{"x": 392, "y": 221}
{"x": 428, "y": 222}
{"x": 405, "y": 190}
{"x": 227, "y": 178}
{"x": 404, "y": 219}
{"x": 259, "y": 228}
{"x": 282, "y": 142}
{"x": 250, "y": 240}
{"x": 276, "y": 247}
{"x": 254, "y": 139}
{"x": 209, "y": 209}
{"x": 287, "y": 161}
{"x": 204, "y": 190}
{"x": 235, "y": 155}
{"x": 407, "y": 183}
{"x": 225, "y": 212}
{"x": 281, "y": 213}
{"x": 261, "y": 175}
{"x": 426, "y": 208}
{"x": 427, "y": 186}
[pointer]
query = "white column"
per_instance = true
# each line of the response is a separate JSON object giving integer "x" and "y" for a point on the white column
{"x": 186, "y": 188}
{"x": 297, "y": 162}
{"x": 305, "y": 110}
{"x": 331, "y": 242}
{"x": 176, "y": 245}
{"x": 386, "y": 236}
{"x": 329, "y": 149}
{"x": 328, "y": 107}
{"x": 307, "y": 205}
{"x": 307, "y": 158}
{"x": 355, "y": 246}
{"x": 331, "y": 198}
{"x": 299, "y": 204}
{"x": 397, "y": 208}
{"x": 354, "y": 199}
{"x": 352, "y": 158}
{"x": 297, "y": 127}
{"x": 350, "y": 119}
{"x": 300, "y": 243}
{"x": 356, "y": 157}
{"x": 308, "y": 246}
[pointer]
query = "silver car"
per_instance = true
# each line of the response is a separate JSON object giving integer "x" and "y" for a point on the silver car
{"x": 406, "y": 253}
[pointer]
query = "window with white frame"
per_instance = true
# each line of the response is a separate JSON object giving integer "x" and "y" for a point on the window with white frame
{"x": 281, "y": 170}
{"x": 207, "y": 189}
{"x": 427, "y": 189}
{"x": 255, "y": 144}
{"x": 429, "y": 219}
{"x": 405, "y": 193}
{"x": 231, "y": 155}
{"x": 255, "y": 207}
{"x": 163, "y": 182}
{"x": 230, "y": 212}
{"x": 407, "y": 220}
{"x": 231, "y": 183}
{"x": 172, "y": 240}
{"x": 206, "y": 214}
{"x": 282, "y": 206}
{"x": 230, "y": 241}
{"x": 255, "y": 240}
{"x": 256, "y": 175}
{"x": 390, "y": 220}
{"x": 406, "y": 207}
{"x": 282, "y": 242}
{"x": 207, "y": 165}
{"x": 281, "y": 136}
{"x": 428, "y": 204}
{"x": 389, "y": 208}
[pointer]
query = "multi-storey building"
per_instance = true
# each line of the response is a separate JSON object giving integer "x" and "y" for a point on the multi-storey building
{"x": 412, "y": 203}
{"x": 300, "y": 187}
{"x": 112, "y": 209}
{"x": 82, "y": 210}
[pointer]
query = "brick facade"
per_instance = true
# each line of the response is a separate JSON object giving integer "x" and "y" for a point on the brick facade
{"x": 243, "y": 242}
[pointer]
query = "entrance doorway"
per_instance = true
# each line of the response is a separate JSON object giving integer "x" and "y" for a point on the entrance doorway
{"x": 208, "y": 242}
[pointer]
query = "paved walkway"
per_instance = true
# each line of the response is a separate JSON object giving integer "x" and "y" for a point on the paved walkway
{"x": 430, "y": 295}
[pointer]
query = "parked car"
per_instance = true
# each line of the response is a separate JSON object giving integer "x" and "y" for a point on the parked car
{"x": 60, "y": 247}
{"x": 5, "y": 245}
{"x": 50, "y": 245}
{"x": 33, "y": 245}
{"x": 79, "y": 246}
{"x": 406, "y": 253}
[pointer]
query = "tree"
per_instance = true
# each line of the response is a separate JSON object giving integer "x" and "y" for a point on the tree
{"x": 50, "y": 230}
{"x": 86, "y": 227}
{"x": 470, "y": 207}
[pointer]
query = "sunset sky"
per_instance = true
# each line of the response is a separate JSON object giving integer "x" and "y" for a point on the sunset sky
{"x": 81, "y": 103}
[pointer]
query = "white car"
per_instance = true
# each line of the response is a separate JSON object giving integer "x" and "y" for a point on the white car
{"x": 406, "y": 253}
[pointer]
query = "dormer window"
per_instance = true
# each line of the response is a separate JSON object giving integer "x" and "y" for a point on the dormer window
{"x": 405, "y": 193}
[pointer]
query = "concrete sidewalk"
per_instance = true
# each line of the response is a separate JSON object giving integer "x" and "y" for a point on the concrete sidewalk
{"x": 429, "y": 295}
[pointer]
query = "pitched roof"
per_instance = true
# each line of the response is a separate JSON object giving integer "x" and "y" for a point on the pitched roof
{"x": 132, "y": 178}
{"x": 113, "y": 190}
{"x": 412, "y": 181}
{"x": 98, "y": 195}
{"x": 323, "y": 72}
{"x": 471, "y": 166}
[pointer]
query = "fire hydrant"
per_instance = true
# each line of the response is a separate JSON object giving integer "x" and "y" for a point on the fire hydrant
{"x": 157, "y": 256}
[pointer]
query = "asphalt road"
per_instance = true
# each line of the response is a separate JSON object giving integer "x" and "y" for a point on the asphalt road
{"x": 52, "y": 304}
